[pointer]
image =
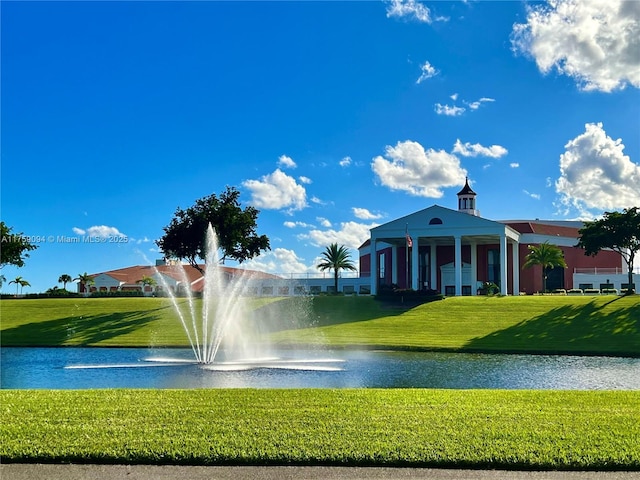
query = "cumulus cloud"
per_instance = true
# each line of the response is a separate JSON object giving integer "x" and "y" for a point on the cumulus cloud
{"x": 596, "y": 174}
{"x": 345, "y": 162}
{"x": 296, "y": 224}
{"x": 364, "y": 214}
{"x": 409, "y": 9}
{"x": 595, "y": 42}
{"x": 305, "y": 180}
{"x": 278, "y": 261}
{"x": 277, "y": 191}
{"x": 318, "y": 201}
{"x": 428, "y": 71}
{"x": 100, "y": 231}
{"x": 449, "y": 110}
{"x": 411, "y": 168}
{"x": 514, "y": 165}
{"x": 285, "y": 161}
{"x": 324, "y": 222}
{"x": 350, "y": 234}
{"x": 454, "y": 97}
{"x": 473, "y": 150}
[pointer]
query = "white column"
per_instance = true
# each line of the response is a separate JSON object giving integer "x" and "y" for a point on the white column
{"x": 516, "y": 267}
{"x": 374, "y": 266}
{"x": 503, "y": 264}
{"x": 433, "y": 266}
{"x": 394, "y": 263}
{"x": 474, "y": 268}
{"x": 415, "y": 270}
{"x": 458, "y": 266}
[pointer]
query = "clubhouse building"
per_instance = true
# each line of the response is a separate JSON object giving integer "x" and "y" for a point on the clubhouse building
{"x": 453, "y": 252}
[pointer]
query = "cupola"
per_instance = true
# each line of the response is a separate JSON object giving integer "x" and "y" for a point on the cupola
{"x": 467, "y": 200}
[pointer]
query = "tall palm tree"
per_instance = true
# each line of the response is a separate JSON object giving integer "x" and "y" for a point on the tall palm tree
{"x": 20, "y": 282}
{"x": 547, "y": 256}
{"x": 2, "y": 280}
{"x": 86, "y": 280}
{"x": 337, "y": 258}
{"x": 64, "y": 279}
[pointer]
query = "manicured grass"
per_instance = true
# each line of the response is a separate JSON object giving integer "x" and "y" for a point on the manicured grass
{"x": 445, "y": 428}
{"x": 551, "y": 324}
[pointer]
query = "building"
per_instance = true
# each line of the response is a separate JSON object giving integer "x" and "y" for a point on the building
{"x": 455, "y": 252}
{"x": 174, "y": 277}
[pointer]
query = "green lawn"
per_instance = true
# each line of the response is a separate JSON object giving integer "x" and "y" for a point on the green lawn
{"x": 549, "y": 324}
{"x": 403, "y": 427}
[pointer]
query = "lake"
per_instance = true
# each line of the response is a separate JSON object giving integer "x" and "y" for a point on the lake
{"x": 153, "y": 368}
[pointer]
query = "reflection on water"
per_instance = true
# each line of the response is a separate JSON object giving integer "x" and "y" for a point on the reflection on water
{"x": 82, "y": 368}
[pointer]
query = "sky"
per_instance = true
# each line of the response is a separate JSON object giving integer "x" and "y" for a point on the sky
{"x": 329, "y": 117}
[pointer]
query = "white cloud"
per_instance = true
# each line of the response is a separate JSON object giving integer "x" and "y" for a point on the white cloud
{"x": 317, "y": 201}
{"x": 596, "y": 174}
{"x": 351, "y": 235}
{"x": 324, "y": 222}
{"x": 454, "y": 97}
{"x": 514, "y": 165}
{"x": 475, "y": 105}
{"x": 305, "y": 180}
{"x": 410, "y": 9}
{"x": 535, "y": 196}
{"x": 296, "y": 224}
{"x": 473, "y": 150}
{"x": 276, "y": 191}
{"x": 285, "y": 161}
{"x": 411, "y": 168}
{"x": 364, "y": 214}
{"x": 278, "y": 261}
{"x": 100, "y": 231}
{"x": 449, "y": 110}
{"x": 428, "y": 71}
{"x": 345, "y": 162}
{"x": 595, "y": 42}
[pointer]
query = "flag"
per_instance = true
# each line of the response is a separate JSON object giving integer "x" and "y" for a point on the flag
{"x": 409, "y": 241}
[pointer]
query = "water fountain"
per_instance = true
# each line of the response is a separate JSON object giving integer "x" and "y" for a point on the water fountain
{"x": 223, "y": 318}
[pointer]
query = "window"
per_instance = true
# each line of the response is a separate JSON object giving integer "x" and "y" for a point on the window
{"x": 493, "y": 270}
{"x": 381, "y": 258}
{"x": 435, "y": 221}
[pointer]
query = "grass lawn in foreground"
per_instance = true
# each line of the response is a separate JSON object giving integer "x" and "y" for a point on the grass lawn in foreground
{"x": 540, "y": 324}
{"x": 403, "y": 427}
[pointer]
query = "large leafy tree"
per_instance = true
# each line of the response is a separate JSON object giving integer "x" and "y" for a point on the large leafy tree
{"x": 546, "y": 255}
{"x": 618, "y": 231}
{"x": 64, "y": 279}
{"x": 14, "y": 248}
{"x": 336, "y": 258}
{"x": 185, "y": 236}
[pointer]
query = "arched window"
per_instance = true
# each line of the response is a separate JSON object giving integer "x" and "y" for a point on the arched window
{"x": 435, "y": 221}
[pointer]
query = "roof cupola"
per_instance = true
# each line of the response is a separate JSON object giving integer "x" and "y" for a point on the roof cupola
{"x": 467, "y": 200}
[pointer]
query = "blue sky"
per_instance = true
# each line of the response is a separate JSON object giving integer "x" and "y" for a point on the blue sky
{"x": 329, "y": 117}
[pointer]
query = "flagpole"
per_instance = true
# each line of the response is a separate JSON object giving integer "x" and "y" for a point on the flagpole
{"x": 406, "y": 255}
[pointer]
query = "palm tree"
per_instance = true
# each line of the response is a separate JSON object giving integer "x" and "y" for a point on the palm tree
{"x": 20, "y": 282}
{"x": 2, "y": 280}
{"x": 146, "y": 280}
{"x": 547, "y": 256}
{"x": 86, "y": 280}
{"x": 337, "y": 258}
{"x": 64, "y": 279}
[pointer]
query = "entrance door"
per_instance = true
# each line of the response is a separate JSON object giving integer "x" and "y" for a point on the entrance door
{"x": 555, "y": 278}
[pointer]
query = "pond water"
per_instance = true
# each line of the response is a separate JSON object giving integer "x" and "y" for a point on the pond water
{"x": 84, "y": 368}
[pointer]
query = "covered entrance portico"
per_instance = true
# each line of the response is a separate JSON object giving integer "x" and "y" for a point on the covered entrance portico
{"x": 445, "y": 250}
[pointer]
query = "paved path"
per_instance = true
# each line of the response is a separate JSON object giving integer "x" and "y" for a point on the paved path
{"x": 152, "y": 472}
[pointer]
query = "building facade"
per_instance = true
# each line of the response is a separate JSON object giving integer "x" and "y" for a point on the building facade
{"x": 457, "y": 252}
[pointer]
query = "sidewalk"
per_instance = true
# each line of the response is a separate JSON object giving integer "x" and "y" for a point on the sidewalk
{"x": 172, "y": 472}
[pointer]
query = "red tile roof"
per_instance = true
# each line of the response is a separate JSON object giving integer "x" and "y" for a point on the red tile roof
{"x": 545, "y": 229}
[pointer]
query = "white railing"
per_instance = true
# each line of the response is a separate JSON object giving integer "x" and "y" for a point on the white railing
{"x": 318, "y": 275}
{"x": 599, "y": 271}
